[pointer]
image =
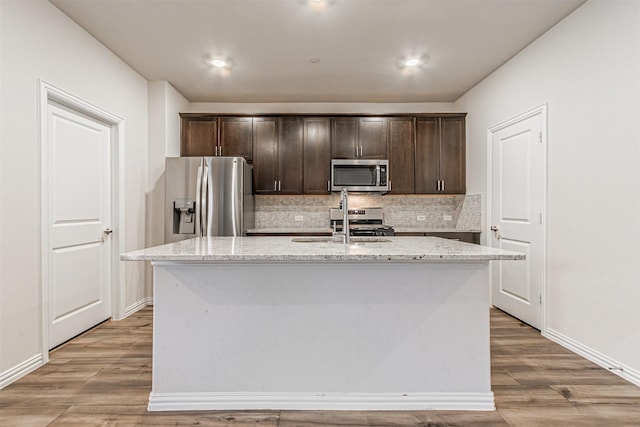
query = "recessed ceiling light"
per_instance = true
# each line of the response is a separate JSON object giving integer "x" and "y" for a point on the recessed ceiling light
{"x": 317, "y": 4}
{"x": 218, "y": 62}
{"x": 412, "y": 62}
{"x": 314, "y": 60}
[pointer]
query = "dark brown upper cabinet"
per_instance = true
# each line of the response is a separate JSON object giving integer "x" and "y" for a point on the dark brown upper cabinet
{"x": 207, "y": 135}
{"x": 401, "y": 154}
{"x": 359, "y": 137}
{"x": 198, "y": 136}
{"x": 236, "y": 137}
{"x": 292, "y": 154}
{"x": 317, "y": 155}
{"x": 440, "y": 155}
{"x": 277, "y": 154}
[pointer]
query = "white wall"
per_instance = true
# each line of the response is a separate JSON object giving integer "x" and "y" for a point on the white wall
{"x": 39, "y": 42}
{"x": 587, "y": 68}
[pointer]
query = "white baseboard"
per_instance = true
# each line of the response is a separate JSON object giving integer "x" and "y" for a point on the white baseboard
{"x": 20, "y": 370}
{"x": 128, "y": 311}
{"x": 594, "y": 356}
{"x": 321, "y": 401}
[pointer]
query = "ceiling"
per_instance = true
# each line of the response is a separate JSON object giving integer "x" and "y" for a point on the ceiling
{"x": 358, "y": 44}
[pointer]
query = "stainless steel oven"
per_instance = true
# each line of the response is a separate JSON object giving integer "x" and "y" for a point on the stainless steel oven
{"x": 362, "y": 222}
{"x": 360, "y": 175}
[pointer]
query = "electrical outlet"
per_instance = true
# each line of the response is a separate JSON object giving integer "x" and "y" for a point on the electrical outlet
{"x": 447, "y": 217}
{"x": 299, "y": 218}
{"x": 421, "y": 218}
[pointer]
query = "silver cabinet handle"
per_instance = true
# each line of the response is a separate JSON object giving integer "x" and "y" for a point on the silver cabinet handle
{"x": 389, "y": 185}
{"x": 220, "y": 150}
{"x": 438, "y": 185}
{"x": 279, "y": 185}
{"x": 361, "y": 151}
{"x": 275, "y": 185}
{"x": 443, "y": 185}
{"x": 328, "y": 186}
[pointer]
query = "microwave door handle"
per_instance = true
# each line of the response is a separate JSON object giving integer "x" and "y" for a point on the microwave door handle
{"x": 378, "y": 175}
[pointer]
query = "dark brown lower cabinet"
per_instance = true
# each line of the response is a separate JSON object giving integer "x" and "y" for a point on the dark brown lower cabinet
{"x": 463, "y": 236}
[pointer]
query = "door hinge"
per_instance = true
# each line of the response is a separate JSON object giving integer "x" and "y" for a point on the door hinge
{"x": 540, "y": 217}
{"x": 540, "y": 298}
{"x": 540, "y": 137}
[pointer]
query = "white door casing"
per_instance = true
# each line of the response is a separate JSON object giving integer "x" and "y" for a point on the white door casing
{"x": 516, "y": 203}
{"x": 50, "y": 94}
{"x": 79, "y": 211}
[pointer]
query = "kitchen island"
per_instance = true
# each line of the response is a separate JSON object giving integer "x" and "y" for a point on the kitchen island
{"x": 271, "y": 323}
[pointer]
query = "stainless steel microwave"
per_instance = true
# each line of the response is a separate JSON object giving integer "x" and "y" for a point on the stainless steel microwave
{"x": 360, "y": 175}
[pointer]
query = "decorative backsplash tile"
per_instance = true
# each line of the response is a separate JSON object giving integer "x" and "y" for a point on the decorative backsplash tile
{"x": 408, "y": 211}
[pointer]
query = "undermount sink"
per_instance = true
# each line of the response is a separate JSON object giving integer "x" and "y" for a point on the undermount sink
{"x": 352, "y": 240}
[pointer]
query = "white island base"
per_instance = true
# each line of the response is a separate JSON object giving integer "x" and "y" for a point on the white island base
{"x": 321, "y": 335}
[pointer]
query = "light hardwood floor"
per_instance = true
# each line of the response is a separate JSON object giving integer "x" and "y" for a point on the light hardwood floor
{"x": 103, "y": 378}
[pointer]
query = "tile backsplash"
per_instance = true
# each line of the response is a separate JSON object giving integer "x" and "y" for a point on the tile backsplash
{"x": 434, "y": 211}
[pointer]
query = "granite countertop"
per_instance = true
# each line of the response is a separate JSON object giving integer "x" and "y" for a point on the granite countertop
{"x": 284, "y": 249}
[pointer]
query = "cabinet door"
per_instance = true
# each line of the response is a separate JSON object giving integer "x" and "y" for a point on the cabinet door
{"x": 317, "y": 155}
{"x": 236, "y": 136}
{"x": 198, "y": 136}
{"x": 427, "y": 152}
{"x": 401, "y": 155}
{"x": 344, "y": 137}
{"x": 265, "y": 154}
{"x": 290, "y": 155}
{"x": 452, "y": 155}
{"x": 372, "y": 136}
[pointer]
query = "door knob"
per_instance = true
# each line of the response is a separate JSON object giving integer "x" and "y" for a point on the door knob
{"x": 105, "y": 233}
{"x": 496, "y": 231}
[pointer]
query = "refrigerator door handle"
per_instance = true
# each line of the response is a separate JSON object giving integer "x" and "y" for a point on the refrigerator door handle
{"x": 204, "y": 206}
{"x": 236, "y": 208}
{"x": 198, "y": 224}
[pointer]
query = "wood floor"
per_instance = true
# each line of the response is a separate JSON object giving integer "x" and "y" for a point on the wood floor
{"x": 103, "y": 378}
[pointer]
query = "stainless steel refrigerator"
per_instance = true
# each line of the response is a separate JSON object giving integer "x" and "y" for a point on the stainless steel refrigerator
{"x": 208, "y": 196}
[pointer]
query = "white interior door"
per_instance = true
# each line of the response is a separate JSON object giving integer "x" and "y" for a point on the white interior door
{"x": 79, "y": 215}
{"x": 516, "y": 216}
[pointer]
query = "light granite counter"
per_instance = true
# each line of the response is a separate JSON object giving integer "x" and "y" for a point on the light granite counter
{"x": 284, "y": 249}
{"x": 265, "y": 323}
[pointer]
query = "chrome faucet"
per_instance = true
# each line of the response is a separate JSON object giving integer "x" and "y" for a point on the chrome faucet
{"x": 344, "y": 205}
